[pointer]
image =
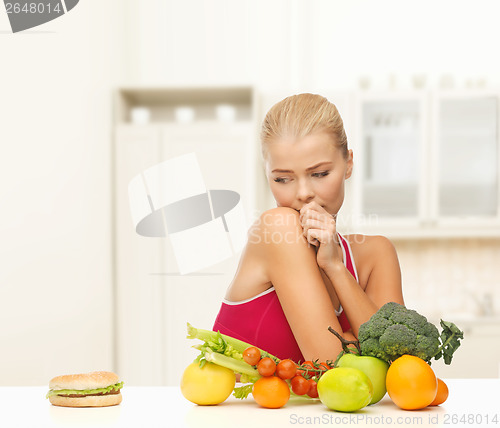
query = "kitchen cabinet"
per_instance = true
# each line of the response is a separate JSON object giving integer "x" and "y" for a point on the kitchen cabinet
{"x": 427, "y": 164}
{"x": 466, "y": 156}
{"x": 153, "y": 299}
{"x": 391, "y": 157}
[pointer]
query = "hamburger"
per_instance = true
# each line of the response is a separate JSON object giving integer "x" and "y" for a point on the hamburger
{"x": 95, "y": 389}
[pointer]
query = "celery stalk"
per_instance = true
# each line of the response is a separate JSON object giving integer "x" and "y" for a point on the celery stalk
{"x": 208, "y": 335}
{"x": 231, "y": 363}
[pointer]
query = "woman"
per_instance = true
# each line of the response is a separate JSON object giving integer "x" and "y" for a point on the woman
{"x": 297, "y": 275}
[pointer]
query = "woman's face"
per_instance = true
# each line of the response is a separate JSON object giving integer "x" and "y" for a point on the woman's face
{"x": 309, "y": 169}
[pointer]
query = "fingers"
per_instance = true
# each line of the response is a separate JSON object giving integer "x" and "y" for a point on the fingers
{"x": 314, "y": 210}
{"x": 317, "y": 224}
{"x": 317, "y": 236}
{"x": 328, "y": 226}
{"x": 311, "y": 220}
{"x": 310, "y": 231}
{"x": 313, "y": 206}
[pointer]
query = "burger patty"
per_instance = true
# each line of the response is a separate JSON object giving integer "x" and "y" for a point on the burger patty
{"x": 112, "y": 392}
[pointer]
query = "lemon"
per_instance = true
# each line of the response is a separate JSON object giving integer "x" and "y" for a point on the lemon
{"x": 211, "y": 384}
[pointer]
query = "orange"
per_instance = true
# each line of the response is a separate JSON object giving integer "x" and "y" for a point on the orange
{"x": 271, "y": 392}
{"x": 411, "y": 383}
{"x": 441, "y": 395}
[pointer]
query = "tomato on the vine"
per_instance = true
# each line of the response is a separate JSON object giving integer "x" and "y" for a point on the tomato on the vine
{"x": 251, "y": 355}
{"x": 300, "y": 385}
{"x": 307, "y": 369}
{"x": 313, "y": 389}
{"x": 324, "y": 366}
{"x": 303, "y": 366}
{"x": 266, "y": 366}
{"x": 286, "y": 369}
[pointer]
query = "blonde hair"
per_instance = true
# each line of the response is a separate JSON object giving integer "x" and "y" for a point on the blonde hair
{"x": 300, "y": 115}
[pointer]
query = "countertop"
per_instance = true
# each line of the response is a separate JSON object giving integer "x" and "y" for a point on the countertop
{"x": 472, "y": 402}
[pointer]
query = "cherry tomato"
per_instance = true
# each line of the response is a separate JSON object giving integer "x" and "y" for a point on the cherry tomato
{"x": 307, "y": 370}
{"x": 300, "y": 385}
{"x": 313, "y": 389}
{"x": 266, "y": 366}
{"x": 324, "y": 366}
{"x": 286, "y": 369}
{"x": 251, "y": 355}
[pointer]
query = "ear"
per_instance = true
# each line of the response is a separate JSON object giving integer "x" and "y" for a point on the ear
{"x": 348, "y": 171}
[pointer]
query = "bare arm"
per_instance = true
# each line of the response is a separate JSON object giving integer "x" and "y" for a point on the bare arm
{"x": 384, "y": 282}
{"x": 378, "y": 255}
{"x": 292, "y": 268}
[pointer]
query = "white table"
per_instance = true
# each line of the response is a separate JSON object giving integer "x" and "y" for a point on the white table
{"x": 472, "y": 402}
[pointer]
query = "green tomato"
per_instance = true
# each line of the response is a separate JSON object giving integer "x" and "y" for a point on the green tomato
{"x": 211, "y": 384}
{"x": 374, "y": 368}
{"x": 345, "y": 389}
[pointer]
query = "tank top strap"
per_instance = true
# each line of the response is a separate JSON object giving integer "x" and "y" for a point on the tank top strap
{"x": 348, "y": 258}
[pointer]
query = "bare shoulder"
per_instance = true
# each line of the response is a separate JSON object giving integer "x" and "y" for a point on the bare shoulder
{"x": 372, "y": 253}
{"x": 371, "y": 246}
{"x": 274, "y": 226}
{"x": 378, "y": 267}
{"x": 279, "y": 217}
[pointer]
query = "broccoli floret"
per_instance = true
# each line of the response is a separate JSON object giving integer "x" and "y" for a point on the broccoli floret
{"x": 431, "y": 330}
{"x": 372, "y": 347}
{"x": 398, "y": 340}
{"x": 395, "y": 330}
{"x": 373, "y": 328}
{"x": 412, "y": 319}
{"x": 387, "y": 310}
{"x": 426, "y": 346}
{"x": 363, "y": 333}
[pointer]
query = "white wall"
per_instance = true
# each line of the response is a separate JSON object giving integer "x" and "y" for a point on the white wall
{"x": 55, "y": 217}
{"x": 313, "y": 44}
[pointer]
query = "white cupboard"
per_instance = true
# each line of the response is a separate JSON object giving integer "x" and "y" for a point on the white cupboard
{"x": 427, "y": 164}
{"x": 466, "y": 164}
{"x": 153, "y": 300}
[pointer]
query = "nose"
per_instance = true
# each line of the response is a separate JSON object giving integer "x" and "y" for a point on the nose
{"x": 305, "y": 192}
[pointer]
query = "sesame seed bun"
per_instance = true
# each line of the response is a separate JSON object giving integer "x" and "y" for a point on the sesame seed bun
{"x": 93, "y": 380}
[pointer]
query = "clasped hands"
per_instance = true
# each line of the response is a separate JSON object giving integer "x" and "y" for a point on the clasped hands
{"x": 320, "y": 229}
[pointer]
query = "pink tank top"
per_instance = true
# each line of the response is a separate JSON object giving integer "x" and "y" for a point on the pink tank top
{"x": 244, "y": 320}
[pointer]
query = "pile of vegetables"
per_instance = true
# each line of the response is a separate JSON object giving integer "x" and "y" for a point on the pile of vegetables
{"x": 396, "y": 343}
{"x": 253, "y": 364}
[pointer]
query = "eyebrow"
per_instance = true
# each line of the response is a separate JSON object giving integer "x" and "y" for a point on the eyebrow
{"x": 308, "y": 169}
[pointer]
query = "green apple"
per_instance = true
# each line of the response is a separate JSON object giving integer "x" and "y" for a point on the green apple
{"x": 345, "y": 389}
{"x": 374, "y": 368}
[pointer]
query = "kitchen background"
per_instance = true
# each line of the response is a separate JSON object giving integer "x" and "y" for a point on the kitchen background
{"x": 94, "y": 98}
